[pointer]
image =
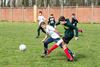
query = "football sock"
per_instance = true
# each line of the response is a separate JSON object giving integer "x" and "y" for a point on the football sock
{"x": 80, "y": 30}
{"x": 45, "y": 50}
{"x": 52, "y": 48}
{"x": 68, "y": 54}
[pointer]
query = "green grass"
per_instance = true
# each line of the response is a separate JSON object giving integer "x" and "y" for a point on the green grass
{"x": 87, "y": 48}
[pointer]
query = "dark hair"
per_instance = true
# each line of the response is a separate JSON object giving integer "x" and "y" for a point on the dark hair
{"x": 51, "y": 14}
{"x": 62, "y": 18}
{"x": 73, "y": 13}
{"x": 40, "y": 11}
{"x": 43, "y": 23}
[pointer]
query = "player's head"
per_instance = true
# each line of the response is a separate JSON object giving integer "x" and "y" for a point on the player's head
{"x": 40, "y": 12}
{"x": 62, "y": 19}
{"x": 43, "y": 25}
{"x": 51, "y": 14}
{"x": 73, "y": 14}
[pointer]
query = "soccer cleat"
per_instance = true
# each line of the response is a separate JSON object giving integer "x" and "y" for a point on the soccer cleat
{"x": 73, "y": 57}
{"x": 80, "y": 30}
{"x": 43, "y": 55}
{"x": 70, "y": 60}
{"x": 71, "y": 53}
{"x": 48, "y": 52}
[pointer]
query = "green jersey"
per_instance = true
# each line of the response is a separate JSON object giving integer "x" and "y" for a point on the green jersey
{"x": 69, "y": 29}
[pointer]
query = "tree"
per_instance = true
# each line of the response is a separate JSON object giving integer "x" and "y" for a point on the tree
{"x": 18, "y": 3}
{"x": 45, "y": 3}
{"x": 0, "y": 3}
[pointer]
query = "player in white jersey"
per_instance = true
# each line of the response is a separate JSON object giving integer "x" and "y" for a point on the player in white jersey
{"x": 40, "y": 20}
{"x": 50, "y": 31}
{"x": 54, "y": 36}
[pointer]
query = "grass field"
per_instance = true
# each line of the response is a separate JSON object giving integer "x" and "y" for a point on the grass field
{"x": 87, "y": 48}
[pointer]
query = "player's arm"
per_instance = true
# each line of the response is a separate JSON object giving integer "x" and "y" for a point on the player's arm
{"x": 49, "y": 20}
{"x": 76, "y": 31}
{"x": 46, "y": 36}
{"x": 73, "y": 27}
{"x": 56, "y": 31}
{"x": 58, "y": 23}
{"x": 44, "y": 19}
{"x": 75, "y": 19}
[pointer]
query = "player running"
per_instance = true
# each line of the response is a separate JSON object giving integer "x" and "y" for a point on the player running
{"x": 54, "y": 36}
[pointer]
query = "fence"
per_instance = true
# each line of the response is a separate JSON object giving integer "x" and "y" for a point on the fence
{"x": 84, "y": 14}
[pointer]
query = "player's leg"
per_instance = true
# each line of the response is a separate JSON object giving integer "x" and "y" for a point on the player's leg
{"x": 38, "y": 30}
{"x": 42, "y": 30}
{"x": 71, "y": 53}
{"x": 67, "y": 41}
{"x": 80, "y": 30}
{"x": 66, "y": 49}
{"x": 49, "y": 40}
{"x": 59, "y": 42}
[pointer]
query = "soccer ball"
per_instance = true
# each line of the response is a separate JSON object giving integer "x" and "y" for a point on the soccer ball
{"x": 22, "y": 47}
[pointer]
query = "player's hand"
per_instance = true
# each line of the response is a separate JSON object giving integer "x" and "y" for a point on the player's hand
{"x": 43, "y": 41}
{"x": 76, "y": 38}
{"x": 61, "y": 35}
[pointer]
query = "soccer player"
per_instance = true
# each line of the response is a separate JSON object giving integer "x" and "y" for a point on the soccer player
{"x": 75, "y": 21}
{"x": 54, "y": 36}
{"x": 68, "y": 35}
{"x": 40, "y": 20}
{"x": 51, "y": 21}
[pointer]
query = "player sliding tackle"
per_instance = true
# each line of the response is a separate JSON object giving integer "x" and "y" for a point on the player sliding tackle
{"x": 54, "y": 37}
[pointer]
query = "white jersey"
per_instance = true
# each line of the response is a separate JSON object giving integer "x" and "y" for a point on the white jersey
{"x": 74, "y": 17}
{"x": 51, "y": 32}
{"x": 41, "y": 19}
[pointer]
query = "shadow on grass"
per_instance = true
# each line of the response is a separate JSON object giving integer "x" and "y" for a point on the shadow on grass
{"x": 62, "y": 57}
{"x": 79, "y": 56}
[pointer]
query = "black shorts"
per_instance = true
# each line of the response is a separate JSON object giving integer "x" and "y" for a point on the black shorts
{"x": 67, "y": 39}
